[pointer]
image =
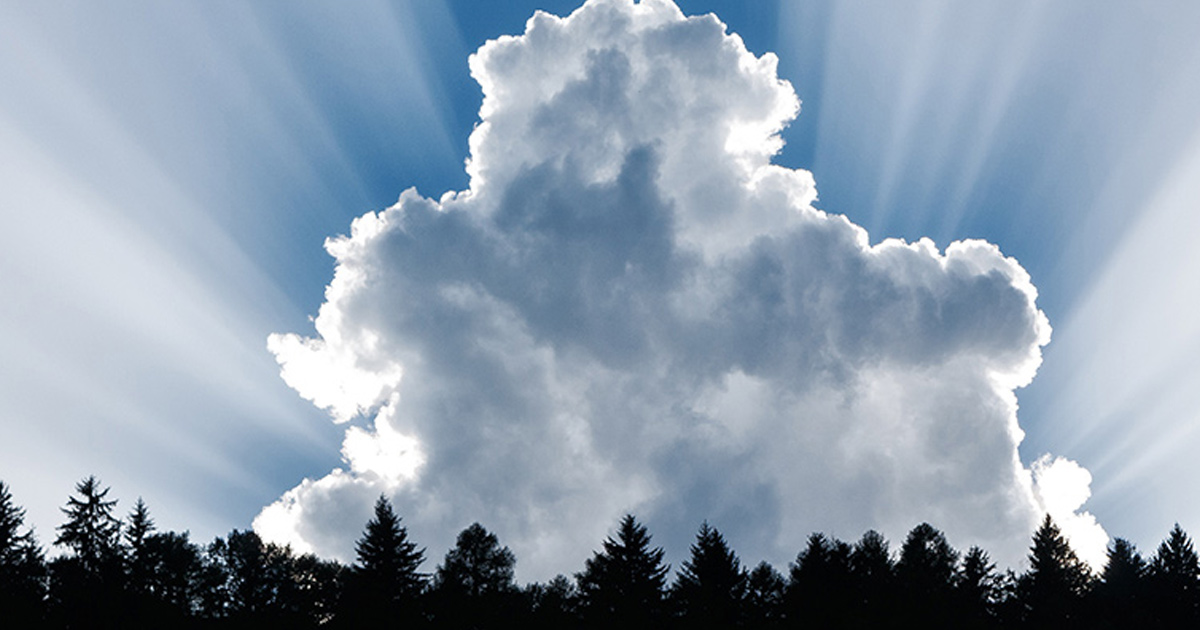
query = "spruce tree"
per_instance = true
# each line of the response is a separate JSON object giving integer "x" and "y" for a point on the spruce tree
{"x": 1052, "y": 590}
{"x": 22, "y": 567}
{"x": 138, "y": 527}
{"x": 622, "y": 586}
{"x": 711, "y": 585}
{"x": 1119, "y": 597}
{"x": 385, "y": 580}
{"x": 1175, "y": 577}
{"x": 925, "y": 573}
{"x": 88, "y": 588}
{"x": 874, "y": 576}
{"x": 820, "y": 591}
{"x": 765, "y": 589}
{"x": 91, "y": 530}
{"x": 976, "y": 588}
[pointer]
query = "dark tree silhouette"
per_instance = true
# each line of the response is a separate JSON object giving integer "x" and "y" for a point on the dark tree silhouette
{"x": 622, "y": 586}
{"x": 238, "y": 576}
{"x": 91, "y": 530}
{"x": 554, "y": 605}
{"x": 925, "y": 571}
{"x": 88, "y": 587}
{"x": 874, "y": 577}
{"x": 1118, "y": 596}
{"x": 765, "y": 588}
{"x": 1175, "y": 581}
{"x": 385, "y": 583}
{"x": 22, "y": 568}
{"x": 248, "y": 583}
{"x": 977, "y": 590}
{"x": 138, "y": 527}
{"x": 1051, "y": 592}
{"x": 173, "y": 568}
{"x": 474, "y": 587}
{"x": 711, "y": 585}
{"x": 820, "y": 591}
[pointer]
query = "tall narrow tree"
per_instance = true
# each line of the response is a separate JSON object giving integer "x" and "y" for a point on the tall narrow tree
{"x": 622, "y": 586}
{"x": 386, "y": 581}
{"x": 1052, "y": 590}
{"x": 91, "y": 530}
{"x": 711, "y": 585}
{"x": 820, "y": 591}
{"x": 88, "y": 587}
{"x": 1119, "y": 597}
{"x": 22, "y": 567}
{"x": 925, "y": 572}
{"x": 1175, "y": 578}
{"x": 976, "y": 588}
{"x": 874, "y": 576}
{"x": 138, "y": 527}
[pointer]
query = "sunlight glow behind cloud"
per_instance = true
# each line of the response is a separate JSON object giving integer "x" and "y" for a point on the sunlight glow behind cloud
{"x": 632, "y": 309}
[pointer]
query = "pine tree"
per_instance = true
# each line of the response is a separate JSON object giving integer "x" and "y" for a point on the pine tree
{"x": 976, "y": 590}
{"x": 711, "y": 585}
{"x": 91, "y": 530}
{"x": 88, "y": 587}
{"x": 765, "y": 589}
{"x": 1175, "y": 576}
{"x": 820, "y": 591}
{"x": 138, "y": 528}
{"x": 875, "y": 580}
{"x": 622, "y": 586}
{"x": 22, "y": 567}
{"x": 925, "y": 572}
{"x": 1120, "y": 593}
{"x": 1052, "y": 590}
{"x": 385, "y": 580}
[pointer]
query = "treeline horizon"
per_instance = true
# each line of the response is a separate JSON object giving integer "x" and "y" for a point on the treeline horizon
{"x": 125, "y": 573}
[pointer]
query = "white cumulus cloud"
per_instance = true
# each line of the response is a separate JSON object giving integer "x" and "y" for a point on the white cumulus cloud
{"x": 631, "y": 309}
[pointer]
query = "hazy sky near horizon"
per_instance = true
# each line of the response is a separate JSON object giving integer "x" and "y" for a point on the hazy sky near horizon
{"x": 171, "y": 174}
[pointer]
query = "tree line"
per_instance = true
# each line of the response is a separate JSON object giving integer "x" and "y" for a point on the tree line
{"x": 125, "y": 573}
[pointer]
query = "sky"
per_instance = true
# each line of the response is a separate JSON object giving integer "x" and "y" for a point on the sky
{"x": 677, "y": 273}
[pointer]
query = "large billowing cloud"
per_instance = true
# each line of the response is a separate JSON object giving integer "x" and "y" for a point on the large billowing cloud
{"x": 632, "y": 310}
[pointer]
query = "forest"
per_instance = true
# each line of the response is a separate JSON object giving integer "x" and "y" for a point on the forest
{"x": 124, "y": 573}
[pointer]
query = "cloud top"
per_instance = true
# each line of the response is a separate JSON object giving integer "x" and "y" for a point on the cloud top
{"x": 631, "y": 309}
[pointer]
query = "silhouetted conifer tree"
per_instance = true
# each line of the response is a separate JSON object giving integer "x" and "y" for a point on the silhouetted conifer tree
{"x": 22, "y": 568}
{"x": 622, "y": 586}
{"x": 386, "y": 583}
{"x": 874, "y": 577}
{"x": 1175, "y": 581}
{"x": 474, "y": 586}
{"x": 820, "y": 591}
{"x": 91, "y": 530}
{"x": 1051, "y": 592}
{"x": 138, "y": 527}
{"x": 1118, "y": 597}
{"x": 765, "y": 588}
{"x": 977, "y": 589}
{"x": 925, "y": 572}
{"x": 88, "y": 587}
{"x": 711, "y": 585}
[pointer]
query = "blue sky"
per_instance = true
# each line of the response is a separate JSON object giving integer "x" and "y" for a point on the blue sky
{"x": 170, "y": 175}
